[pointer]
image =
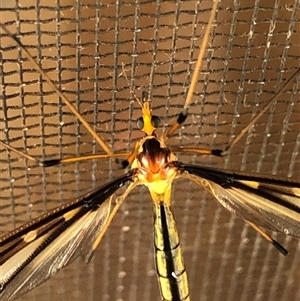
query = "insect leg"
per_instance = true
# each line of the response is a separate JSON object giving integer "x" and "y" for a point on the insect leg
{"x": 101, "y": 142}
{"x": 183, "y": 115}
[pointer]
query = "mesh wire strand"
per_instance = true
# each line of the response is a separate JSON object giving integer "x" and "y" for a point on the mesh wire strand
{"x": 254, "y": 48}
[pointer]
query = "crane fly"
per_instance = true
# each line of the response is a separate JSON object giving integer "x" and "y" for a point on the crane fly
{"x": 34, "y": 252}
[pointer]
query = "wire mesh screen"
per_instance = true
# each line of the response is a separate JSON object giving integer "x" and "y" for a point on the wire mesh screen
{"x": 87, "y": 47}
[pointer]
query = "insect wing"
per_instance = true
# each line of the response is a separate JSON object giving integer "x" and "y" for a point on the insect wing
{"x": 33, "y": 254}
{"x": 272, "y": 203}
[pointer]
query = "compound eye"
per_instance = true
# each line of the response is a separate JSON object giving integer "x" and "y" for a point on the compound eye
{"x": 140, "y": 123}
{"x": 155, "y": 121}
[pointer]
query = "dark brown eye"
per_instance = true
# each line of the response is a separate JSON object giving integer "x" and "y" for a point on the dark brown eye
{"x": 140, "y": 123}
{"x": 155, "y": 121}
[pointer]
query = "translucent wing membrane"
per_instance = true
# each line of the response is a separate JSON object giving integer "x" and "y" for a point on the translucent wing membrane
{"x": 34, "y": 252}
{"x": 272, "y": 203}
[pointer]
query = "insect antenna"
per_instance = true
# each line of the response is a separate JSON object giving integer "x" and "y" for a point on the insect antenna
{"x": 225, "y": 77}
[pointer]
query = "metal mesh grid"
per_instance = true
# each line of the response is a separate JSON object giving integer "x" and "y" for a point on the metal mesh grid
{"x": 82, "y": 45}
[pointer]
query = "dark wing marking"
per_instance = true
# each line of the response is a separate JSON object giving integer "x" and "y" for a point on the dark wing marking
{"x": 273, "y": 203}
{"x": 36, "y": 251}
